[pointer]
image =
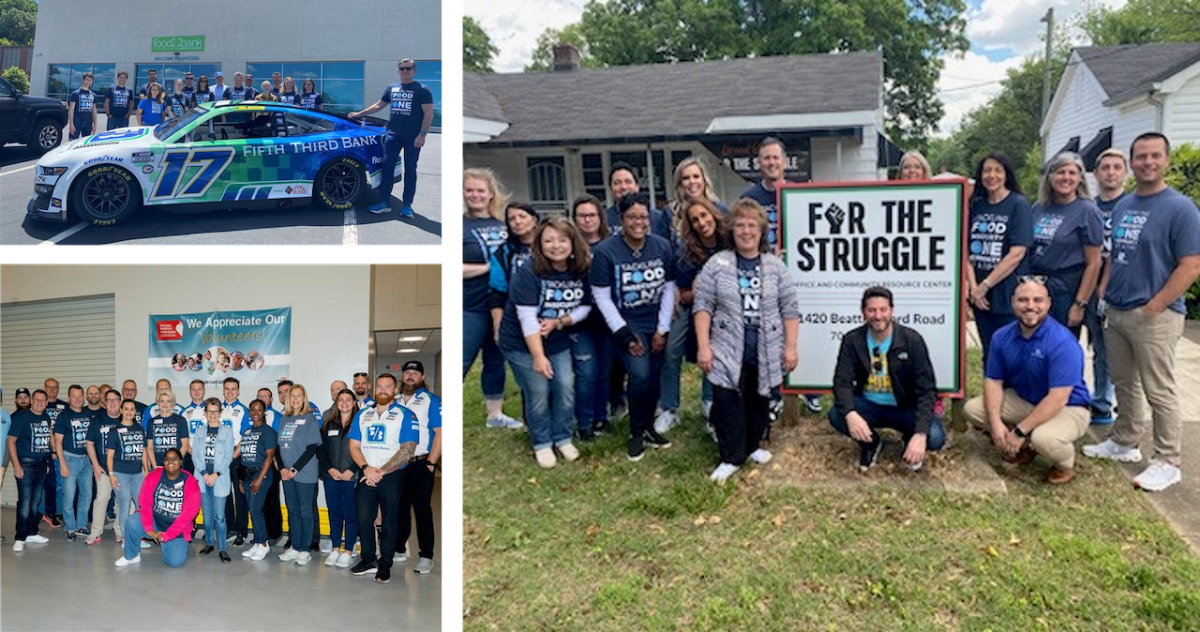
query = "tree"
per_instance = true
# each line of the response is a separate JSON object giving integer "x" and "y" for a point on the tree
{"x": 18, "y": 21}
{"x": 17, "y": 78}
{"x": 543, "y": 53}
{"x": 912, "y": 34}
{"x": 1143, "y": 22}
{"x": 478, "y": 49}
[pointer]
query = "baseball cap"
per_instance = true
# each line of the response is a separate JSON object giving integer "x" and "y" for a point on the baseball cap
{"x": 21, "y": 391}
{"x": 414, "y": 365}
{"x": 219, "y": 74}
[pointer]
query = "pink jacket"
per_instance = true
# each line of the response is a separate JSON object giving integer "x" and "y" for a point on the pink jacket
{"x": 191, "y": 505}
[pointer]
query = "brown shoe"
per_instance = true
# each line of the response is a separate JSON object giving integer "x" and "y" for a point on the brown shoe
{"x": 1023, "y": 457}
{"x": 1059, "y": 476}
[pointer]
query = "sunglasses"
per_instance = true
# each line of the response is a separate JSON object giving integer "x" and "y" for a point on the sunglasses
{"x": 1040, "y": 279}
{"x": 407, "y": 68}
{"x": 361, "y": 374}
{"x": 876, "y": 360}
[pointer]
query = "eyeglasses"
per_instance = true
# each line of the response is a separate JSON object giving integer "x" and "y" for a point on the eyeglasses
{"x": 1040, "y": 279}
{"x": 876, "y": 360}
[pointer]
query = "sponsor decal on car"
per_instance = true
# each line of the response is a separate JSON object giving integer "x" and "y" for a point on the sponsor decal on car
{"x": 142, "y": 156}
{"x": 148, "y": 169}
{"x": 55, "y": 202}
{"x": 104, "y": 159}
{"x": 299, "y": 190}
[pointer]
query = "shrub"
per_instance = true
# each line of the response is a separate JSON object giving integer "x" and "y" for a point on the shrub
{"x": 18, "y": 78}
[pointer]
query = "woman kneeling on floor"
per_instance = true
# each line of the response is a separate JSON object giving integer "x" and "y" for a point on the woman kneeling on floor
{"x": 173, "y": 497}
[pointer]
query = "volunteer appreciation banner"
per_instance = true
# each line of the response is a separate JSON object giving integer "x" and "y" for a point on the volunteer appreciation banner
{"x": 839, "y": 239}
{"x": 252, "y": 346}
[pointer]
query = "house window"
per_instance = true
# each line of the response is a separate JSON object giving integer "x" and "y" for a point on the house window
{"x": 12, "y": 57}
{"x": 547, "y": 182}
{"x": 593, "y": 175}
{"x": 637, "y": 160}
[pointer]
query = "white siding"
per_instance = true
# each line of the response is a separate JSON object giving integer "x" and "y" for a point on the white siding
{"x": 1182, "y": 114}
{"x": 1136, "y": 118}
{"x": 1079, "y": 111}
{"x": 858, "y": 161}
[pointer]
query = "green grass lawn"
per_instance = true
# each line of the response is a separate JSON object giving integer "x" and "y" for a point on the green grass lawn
{"x": 605, "y": 544}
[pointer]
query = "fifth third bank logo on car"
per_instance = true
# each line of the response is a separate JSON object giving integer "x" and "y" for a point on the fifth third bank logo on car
{"x": 169, "y": 329}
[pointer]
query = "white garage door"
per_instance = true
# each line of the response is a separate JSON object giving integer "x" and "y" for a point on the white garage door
{"x": 72, "y": 340}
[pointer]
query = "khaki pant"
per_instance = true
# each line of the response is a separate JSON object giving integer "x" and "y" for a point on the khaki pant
{"x": 1054, "y": 439}
{"x": 1141, "y": 360}
{"x": 104, "y": 491}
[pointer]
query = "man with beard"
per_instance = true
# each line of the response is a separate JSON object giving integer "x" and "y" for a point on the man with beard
{"x": 29, "y": 441}
{"x": 362, "y": 390}
{"x": 52, "y": 499}
{"x": 94, "y": 405}
{"x": 383, "y": 440}
{"x": 416, "y": 486}
{"x": 884, "y": 379}
{"x": 1034, "y": 398}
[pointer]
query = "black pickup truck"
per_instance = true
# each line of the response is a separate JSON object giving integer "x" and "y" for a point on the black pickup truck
{"x": 33, "y": 121}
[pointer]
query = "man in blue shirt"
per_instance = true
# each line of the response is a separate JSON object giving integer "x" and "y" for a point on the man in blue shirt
{"x": 235, "y": 415}
{"x": 118, "y": 100}
{"x": 29, "y": 440}
{"x": 5, "y": 424}
{"x": 1111, "y": 171}
{"x": 81, "y": 115}
{"x": 411, "y": 114}
{"x": 1034, "y": 398}
{"x": 1155, "y": 258}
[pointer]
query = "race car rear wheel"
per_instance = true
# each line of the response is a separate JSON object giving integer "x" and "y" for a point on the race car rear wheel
{"x": 340, "y": 183}
{"x": 105, "y": 195}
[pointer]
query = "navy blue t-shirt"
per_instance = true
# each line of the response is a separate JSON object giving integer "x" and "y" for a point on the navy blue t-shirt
{"x": 636, "y": 281}
{"x": 179, "y": 103}
{"x": 130, "y": 444}
{"x": 255, "y": 443}
{"x": 120, "y": 101}
{"x": 1060, "y": 232}
{"x": 1150, "y": 235}
{"x": 750, "y": 287}
{"x": 166, "y": 433}
{"x": 202, "y": 96}
{"x": 686, "y": 270}
{"x": 405, "y": 100}
{"x": 554, "y": 296}
{"x": 994, "y": 230}
{"x": 1050, "y": 358}
{"x": 98, "y": 433}
{"x": 32, "y": 433}
{"x": 766, "y": 199}
{"x": 73, "y": 426}
{"x": 311, "y": 100}
{"x": 481, "y": 236}
{"x": 290, "y": 98}
{"x": 660, "y": 223}
{"x": 210, "y": 448}
{"x": 84, "y": 104}
{"x": 1106, "y": 209}
{"x": 168, "y": 500}
{"x": 239, "y": 94}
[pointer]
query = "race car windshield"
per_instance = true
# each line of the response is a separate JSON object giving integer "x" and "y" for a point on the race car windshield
{"x": 168, "y": 127}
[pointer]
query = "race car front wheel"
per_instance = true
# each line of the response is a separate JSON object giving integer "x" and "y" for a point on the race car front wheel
{"x": 340, "y": 183}
{"x": 105, "y": 195}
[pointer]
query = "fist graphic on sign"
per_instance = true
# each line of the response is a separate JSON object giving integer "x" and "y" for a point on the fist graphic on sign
{"x": 835, "y": 216}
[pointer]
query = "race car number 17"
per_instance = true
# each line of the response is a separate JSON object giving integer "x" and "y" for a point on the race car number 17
{"x": 211, "y": 163}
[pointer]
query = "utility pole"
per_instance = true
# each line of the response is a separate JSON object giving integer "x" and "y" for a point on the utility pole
{"x": 1049, "y": 20}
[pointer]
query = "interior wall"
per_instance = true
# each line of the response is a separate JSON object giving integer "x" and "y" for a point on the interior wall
{"x": 406, "y": 297}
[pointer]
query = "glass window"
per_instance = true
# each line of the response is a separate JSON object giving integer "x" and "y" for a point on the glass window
{"x": 12, "y": 57}
{"x": 547, "y": 181}
{"x": 301, "y": 71}
{"x": 302, "y": 124}
{"x": 242, "y": 125}
{"x": 340, "y": 83}
{"x": 263, "y": 70}
{"x": 429, "y": 73}
{"x": 342, "y": 96}
{"x": 343, "y": 70}
{"x": 105, "y": 75}
{"x": 56, "y": 82}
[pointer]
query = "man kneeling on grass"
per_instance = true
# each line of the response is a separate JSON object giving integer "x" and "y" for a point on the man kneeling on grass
{"x": 1034, "y": 398}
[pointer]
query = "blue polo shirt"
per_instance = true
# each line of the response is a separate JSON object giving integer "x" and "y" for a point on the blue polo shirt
{"x": 1050, "y": 358}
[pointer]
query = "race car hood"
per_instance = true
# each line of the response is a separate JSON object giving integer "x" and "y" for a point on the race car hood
{"x": 130, "y": 140}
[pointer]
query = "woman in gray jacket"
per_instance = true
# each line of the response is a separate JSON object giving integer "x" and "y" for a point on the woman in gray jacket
{"x": 746, "y": 319}
{"x": 214, "y": 442}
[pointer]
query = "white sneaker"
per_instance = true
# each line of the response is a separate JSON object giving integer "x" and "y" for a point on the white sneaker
{"x": 1109, "y": 449}
{"x": 760, "y": 456}
{"x": 144, "y": 544}
{"x": 289, "y": 555}
{"x": 1159, "y": 476}
{"x": 260, "y": 552}
{"x": 250, "y": 551}
{"x": 665, "y": 421}
{"x": 344, "y": 559}
{"x": 569, "y": 451}
{"x": 400, "y": 556}
{"x": 19, "y": 546}
{"x": 505, "y": 422}
{"x": 723, "y": 472}
{"x": 326, "y": 546}
{"x": 124, "y": 562}
{"x": 332, "y": 558}
{"x": 36, "y": 539}
{"x": 304, "y": 558}
{"x": 707, "y": 406}
{"x": 545, "y": 458}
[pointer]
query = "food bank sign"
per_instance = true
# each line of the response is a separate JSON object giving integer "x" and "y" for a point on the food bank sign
{"x": 177, "y": 43}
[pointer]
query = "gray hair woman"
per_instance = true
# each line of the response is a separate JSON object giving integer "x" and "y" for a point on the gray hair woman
{"x": 747, "y": 320}
{"x": 1067, "y": 234}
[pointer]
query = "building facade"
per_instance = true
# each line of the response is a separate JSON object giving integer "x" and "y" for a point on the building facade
{"x": 350, "y": 49}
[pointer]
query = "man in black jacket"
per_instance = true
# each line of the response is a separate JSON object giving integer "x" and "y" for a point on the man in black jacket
{"x": 884, "y": 379}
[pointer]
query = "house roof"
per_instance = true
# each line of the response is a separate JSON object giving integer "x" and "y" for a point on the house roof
{"x": 1125, "y": 71}
{"x": 679, "y": 99}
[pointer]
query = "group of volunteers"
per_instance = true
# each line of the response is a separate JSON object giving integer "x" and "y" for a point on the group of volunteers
{"x": 598, "y": 303}
{"x": 375, "y": 451}
{"x": 410, "y": 106}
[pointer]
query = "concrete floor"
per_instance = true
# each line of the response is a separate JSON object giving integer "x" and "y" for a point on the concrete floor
{"x": 66, "y": 585}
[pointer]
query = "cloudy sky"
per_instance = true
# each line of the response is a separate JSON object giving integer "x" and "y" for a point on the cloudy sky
{"x": 1002, "y": 32}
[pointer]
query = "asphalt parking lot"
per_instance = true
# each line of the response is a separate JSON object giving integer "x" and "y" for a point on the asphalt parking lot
{"x": 301, "y": 226}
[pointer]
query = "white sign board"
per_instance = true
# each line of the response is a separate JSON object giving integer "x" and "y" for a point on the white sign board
{"x": 838, "y": 239}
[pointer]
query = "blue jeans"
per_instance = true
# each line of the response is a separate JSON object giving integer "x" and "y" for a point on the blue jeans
{"x": 115, "y": 122}
{"x": 214, "y": 516}
{"x": 392, "y": 144}
{"x": 51, "y": 483}
{"x": 477, "y": 336}
{"x": 343, "y": 518}
{"x": 644, "y": 384}
{"x": 588, "y": 409}
{"x": 549, "y": 404}
{"x": 80, "y": 480}
{"x": 299, "y": 497}
{"x": 29, "y": 496}
{"x": 174, "y": 551}
{"x": 681, "y": 324}
{"x": 255, "y": 502}
{"x": 988, "y": 323}
{"x": 1104, "y": 393}
{"x": 127, "y": 494}
{"x": 878, "y": 416}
